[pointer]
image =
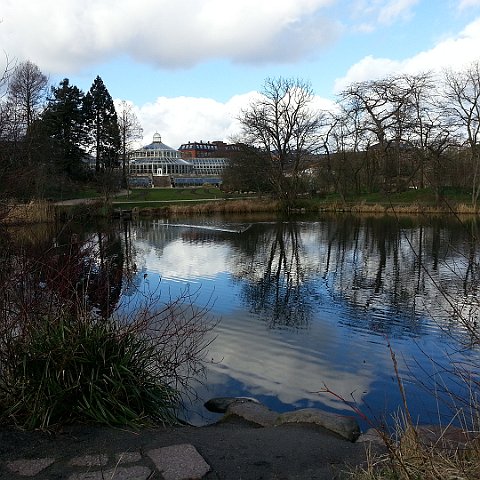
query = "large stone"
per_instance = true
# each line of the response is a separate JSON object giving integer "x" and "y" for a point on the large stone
{"x": 347, "y": 427}
{"x": 220, "y": 404}
{"x": 252, "y": 412}
{"x": 371, "y": 435}
{"x": 179, "y": 462}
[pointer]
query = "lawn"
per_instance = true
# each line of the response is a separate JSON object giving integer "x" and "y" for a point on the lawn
{"x": 424, "y": 196}
{"x": 170, "y": 194}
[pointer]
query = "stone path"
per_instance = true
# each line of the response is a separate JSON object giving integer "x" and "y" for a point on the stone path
{"x": 176, "y": 462}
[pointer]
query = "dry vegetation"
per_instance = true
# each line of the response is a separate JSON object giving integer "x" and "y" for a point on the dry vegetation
{"x": 34, "y": 212}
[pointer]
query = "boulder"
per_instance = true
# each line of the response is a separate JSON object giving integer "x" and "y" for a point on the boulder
{"x": 252, "y": 412}
{"x": 220, "y": 404}
{"x": 347, "y": 427}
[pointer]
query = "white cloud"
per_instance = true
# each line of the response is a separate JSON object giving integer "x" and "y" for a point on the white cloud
{"x": 68, "y": 35}
{"x": 371, "y": 14}
{"x": 464, "y": 4}
{"x": 455, "y": 53}
{"x": 395, "y": 9}
{"x": 183, "y": 119}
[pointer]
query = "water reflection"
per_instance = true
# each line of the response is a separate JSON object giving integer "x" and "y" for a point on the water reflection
{"x": 305, "y": 304}
{"x": 68, "y": 262}
{"x": 274, "y": 279}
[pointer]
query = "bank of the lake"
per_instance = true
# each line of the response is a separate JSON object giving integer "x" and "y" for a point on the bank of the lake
{"x": 205, "y": 201}
{"x": 209, "y": 201}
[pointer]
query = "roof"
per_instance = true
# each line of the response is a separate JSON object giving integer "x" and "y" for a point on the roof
{"x": 158, "y": 145}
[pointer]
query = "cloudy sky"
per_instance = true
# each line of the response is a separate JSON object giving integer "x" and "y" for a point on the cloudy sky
{"x": 189, "y": 66}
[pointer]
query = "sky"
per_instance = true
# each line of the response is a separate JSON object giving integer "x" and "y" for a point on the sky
{"x": 188, "y": 67}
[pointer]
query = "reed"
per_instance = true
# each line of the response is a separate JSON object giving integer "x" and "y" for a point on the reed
{"x": 413, "y": 208}
{"x": 209, "y": 208}
{"x": 38, "y": 211}
{"x": 412, "y": 455}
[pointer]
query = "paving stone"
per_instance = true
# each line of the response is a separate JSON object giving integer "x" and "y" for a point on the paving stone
{"x": 29, "y": 467}
{"x": 179, "y": 462}
{"x": 128, "y": 457}
{"x": 99, "y": 460}
{"x": 119, "y": 473}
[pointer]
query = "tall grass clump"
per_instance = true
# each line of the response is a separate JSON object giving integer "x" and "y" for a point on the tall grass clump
{"x": 70, "y": 354}
{"x": 86, "y": 370}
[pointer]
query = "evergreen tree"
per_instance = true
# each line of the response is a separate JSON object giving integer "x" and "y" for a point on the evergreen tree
{"x": 103, "y": 128}
{"x": 64, "y": 122}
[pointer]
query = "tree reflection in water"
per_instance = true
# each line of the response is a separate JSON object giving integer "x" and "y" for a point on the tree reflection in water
{"x": 72, "y": 267}
{"x": 273, "y": 277}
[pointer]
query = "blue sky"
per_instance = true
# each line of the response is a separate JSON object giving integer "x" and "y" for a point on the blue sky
{"x": 189, "y": 66}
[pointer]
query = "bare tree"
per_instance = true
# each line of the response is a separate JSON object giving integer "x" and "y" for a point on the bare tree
{"x": 27, "y": 92}
{"x": 130, "y": 131}
{"x": 283, "y": 125}
{"x": 386, "y": 112}
{"x": 346, "y": 146}
{"x": 462, "y": 101}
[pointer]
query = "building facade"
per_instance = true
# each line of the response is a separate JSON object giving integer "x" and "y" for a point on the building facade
{"x": 158, "y": 159}
{"x": 194, "y": 163}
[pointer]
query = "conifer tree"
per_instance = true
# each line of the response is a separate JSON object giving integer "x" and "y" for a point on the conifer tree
{"x": 104, "y": 134}
{"x": 64, "y": 122}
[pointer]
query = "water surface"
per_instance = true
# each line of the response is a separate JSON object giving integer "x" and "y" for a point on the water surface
{"x": 311, "y": 306}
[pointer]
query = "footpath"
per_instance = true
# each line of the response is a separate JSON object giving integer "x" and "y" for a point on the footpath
{"x": 226, "y": 451}
{"x": 233, "y": 449}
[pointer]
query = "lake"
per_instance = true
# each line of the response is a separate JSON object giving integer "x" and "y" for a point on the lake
{"x": 316, "y": 313}
{"x": 323, "y": 312}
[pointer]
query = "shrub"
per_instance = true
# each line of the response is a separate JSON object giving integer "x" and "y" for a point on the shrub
{"x": 65, "y": 359}
{"x": 71, "y": 370}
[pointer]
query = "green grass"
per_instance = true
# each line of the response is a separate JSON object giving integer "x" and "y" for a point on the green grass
{"x": 86, "y": 370}
{"x": 170, "y": 194}
{"x": 424, "y": 196}
{"x": 71, "y": 193}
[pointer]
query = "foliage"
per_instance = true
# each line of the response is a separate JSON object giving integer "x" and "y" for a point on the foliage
{"x": 103, "y": 129}
{"x": 69, "y": 352}
{"x": 64, "y": 123}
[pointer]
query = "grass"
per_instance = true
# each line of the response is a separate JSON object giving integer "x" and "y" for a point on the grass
{"x": 424, "y": 196}
{"x": 410, "y": 201}
{"x": 419, "y": 455}
{"x": 172, "y": 194}
{"x": 72, "y": 193}
{"x": 87, "y": 371}
{"x": 64, "y": 358}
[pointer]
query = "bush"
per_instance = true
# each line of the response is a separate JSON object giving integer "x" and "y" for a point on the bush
{"x": 72, "y": 370}
{"x": 68, "y": 356}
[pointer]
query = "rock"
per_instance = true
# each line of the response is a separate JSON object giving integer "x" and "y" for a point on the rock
{"x": 179, "y": 462}
{"x": 252, "y": 412}
{"x": 347, "y": 427}
{"x": 372, "y": 436}
{"x": 220, "y": 404}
